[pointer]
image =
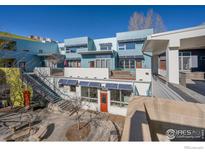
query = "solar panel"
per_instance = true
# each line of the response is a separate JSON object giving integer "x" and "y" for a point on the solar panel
{"x": 62, "y": 81}
{"x": 111, "y": 86}
{"x": 72, "y": 82}
{"x": 125, "y": 87}
{"x": 84, "y": 84}
{"x": 95, "y": 84}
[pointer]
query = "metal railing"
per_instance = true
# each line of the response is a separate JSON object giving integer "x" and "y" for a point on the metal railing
{"x": 162, "y": 90}
{"x": 53, "y": 86}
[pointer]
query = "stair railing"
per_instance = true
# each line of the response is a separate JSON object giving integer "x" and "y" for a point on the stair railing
{"x": 52, "y": 85}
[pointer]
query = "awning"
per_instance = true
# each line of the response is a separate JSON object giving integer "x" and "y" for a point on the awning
{"x": 72, "y": 82}
{"x": 95, "y": 84}
{"x": 125, "y": 87}
{"x": 84, "y": 84}
{"x": 62, "y": 81}
{"x": 132, "y": 57}
{"x": 111, "y": 86}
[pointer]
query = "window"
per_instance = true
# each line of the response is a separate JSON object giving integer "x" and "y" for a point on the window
{"x": 84, "y": 91}
{"x": 26, "y": 50}
{"x": 103, "y": 64}
{"x": 119, "y": 97}
{"x": 108, "y": 63}
{"x": 125, "y": 95}
{"x": 98, "y": 63}
{"x": 126, "y": 63}
{"x": 115, "y": 95}
{"x": 40, "y": 51}
{"x": 130, "y": 46}
{"x": 121, "y": 63}
{"x": 127, "y": 46}
{"x": 89, "y": 94}
{"x": 107, "y": 46}
{"x": 185, "y": 61}
{"x": 132, "y": 63}
{"x": 93, "y": 93}
{"x": 121, "y": 46}
{"x": 73, "y": 88}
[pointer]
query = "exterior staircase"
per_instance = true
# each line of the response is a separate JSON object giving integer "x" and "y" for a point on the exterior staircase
{"x": 53, "y": 97}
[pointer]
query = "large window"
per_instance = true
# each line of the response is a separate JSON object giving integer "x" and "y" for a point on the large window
{"x": 130, "y": 46}
{"x": 185, "y": 61}
{"x": 120, "y": 97}
{"x": 127, "y": 46}
{"x": 103, "y": 63}
{"x": 73, "y": 63}
{"x": 89, "y": 94}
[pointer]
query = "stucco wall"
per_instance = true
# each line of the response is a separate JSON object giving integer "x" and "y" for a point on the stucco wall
{"x": 143, "y": 75}
{"x": 99, "y": 73}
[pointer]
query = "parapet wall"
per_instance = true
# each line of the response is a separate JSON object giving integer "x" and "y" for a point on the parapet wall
{"x": 149, "y": 119}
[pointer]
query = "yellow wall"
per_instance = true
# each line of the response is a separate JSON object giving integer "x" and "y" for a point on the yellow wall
{"x": 16, "y": 86}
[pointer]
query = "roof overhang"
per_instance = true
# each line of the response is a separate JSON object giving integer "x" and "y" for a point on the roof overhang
{"x": 96, "y": 52}
{"x": 132, "y": 57}
{"x": 155, "y": 46}
{"x": 188, "y": 38}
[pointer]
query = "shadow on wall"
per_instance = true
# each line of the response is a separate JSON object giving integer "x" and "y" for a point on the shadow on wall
{"x": 12, "y": 78}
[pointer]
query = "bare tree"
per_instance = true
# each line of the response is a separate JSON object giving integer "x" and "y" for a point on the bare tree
{"x": 140, "y": 21}
{"x": 136, "y": 21}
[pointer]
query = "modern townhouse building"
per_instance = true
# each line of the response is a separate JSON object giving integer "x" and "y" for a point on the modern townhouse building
{"x": 105, "y": 72}
{"x": 28, "y": 53}
{"x": 120, "y": 52}
{"x": 97, "y": 71}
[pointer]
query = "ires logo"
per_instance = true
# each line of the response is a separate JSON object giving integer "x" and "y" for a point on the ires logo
{"x": 184, "y": 134}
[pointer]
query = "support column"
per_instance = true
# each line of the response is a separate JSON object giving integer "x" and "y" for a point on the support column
{"x": 155, "y": 64}
{"x": 172, "y": 64}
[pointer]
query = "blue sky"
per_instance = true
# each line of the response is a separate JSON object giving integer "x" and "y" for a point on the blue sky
{"x": 60, "y": 22}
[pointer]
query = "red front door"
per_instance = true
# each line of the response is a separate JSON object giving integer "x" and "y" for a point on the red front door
{"x": 103, "y": 101}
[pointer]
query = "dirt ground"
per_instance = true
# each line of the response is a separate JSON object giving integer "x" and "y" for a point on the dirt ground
{"x": 94, "y": 126}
